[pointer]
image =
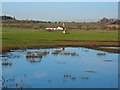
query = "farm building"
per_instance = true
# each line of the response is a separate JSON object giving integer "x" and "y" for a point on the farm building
{"x": 54, "y": 28}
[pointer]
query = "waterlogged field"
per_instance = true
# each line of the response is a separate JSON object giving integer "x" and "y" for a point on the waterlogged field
{"x": 59, "y": 68}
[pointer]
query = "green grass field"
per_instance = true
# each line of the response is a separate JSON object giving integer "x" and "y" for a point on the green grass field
{"x": 26, "y": 36}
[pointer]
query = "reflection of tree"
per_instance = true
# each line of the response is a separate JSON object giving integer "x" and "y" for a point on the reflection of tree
{"x": 34, "y": 61}
{"x": 63, "y": 50}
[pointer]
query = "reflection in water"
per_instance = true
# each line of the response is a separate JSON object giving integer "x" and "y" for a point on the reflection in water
{"x": 39, "y": 54}
{"x": 67, "y": 75}
{"x": 60, "y": 62}
{"x": 108, "y": 60}
{"x": 32, "y": 61}
{"x": 63, "y": 50}
{"x": 7, "y": 63}
{"x": 35, "y": 57}
{"x": 60, "y": 68}
{"x": 90, "y": 71}
{"x": 73, "y": 77}
{"x": 84, "y": 78}
{"x": 101, "y": 54}
{"x": 56, "y": 52}
{"x": 12, "y": 82}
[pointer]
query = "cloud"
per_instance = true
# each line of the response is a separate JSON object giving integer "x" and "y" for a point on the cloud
{"x": 40, "y": 74}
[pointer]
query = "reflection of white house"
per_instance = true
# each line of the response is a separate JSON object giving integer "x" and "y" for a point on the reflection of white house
{"x": 54, "y": 28}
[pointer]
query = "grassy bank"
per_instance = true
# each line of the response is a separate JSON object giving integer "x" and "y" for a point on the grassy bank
{"x": 14, "y": 37}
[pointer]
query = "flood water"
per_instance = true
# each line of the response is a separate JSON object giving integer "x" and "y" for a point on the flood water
{"x": 72, "y": 68}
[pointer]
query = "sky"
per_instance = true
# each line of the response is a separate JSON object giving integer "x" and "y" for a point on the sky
{"x": 60, "y": 0}
{"x": 61, "y": 11}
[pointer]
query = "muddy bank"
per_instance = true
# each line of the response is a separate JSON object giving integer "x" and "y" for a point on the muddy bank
{"x": 110, "y": 50}
{"x": 91, "y": 45}
{"x": 87, "y": 41}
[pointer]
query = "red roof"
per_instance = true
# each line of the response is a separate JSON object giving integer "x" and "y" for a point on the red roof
{"x": 52, "y": 27}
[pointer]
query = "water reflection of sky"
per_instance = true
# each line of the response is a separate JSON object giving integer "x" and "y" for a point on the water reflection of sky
{"x": 50, "y": 71}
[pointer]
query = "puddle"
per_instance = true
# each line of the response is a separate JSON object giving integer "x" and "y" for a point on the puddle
{"x": 59, "y": 68}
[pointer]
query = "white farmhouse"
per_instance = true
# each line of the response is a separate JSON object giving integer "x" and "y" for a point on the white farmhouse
{"x": 59, "y": 28}
{"x": 54, "y": 28}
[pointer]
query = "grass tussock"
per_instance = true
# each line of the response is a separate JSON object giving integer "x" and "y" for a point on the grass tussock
{"x": 6, "y": 63}
{"x": 38, "y": 55}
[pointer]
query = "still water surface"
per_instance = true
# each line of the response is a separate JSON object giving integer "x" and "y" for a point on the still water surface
{"x": 87, "y": 69}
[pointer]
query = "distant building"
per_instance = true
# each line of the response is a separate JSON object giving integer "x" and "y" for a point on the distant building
{"x": 105, "y": 20}
{"x": 54, "y": 28}
{"x": 117, "y": 21}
